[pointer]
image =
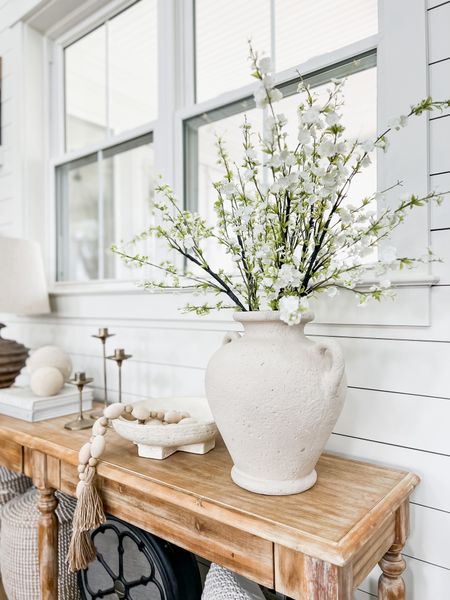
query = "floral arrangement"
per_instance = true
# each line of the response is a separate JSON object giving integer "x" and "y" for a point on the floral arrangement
{"x": 283, "y": 214}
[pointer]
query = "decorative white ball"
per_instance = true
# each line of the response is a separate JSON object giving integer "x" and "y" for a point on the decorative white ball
{"x": 50, "y": 356}
{"x": 46, "y": 381}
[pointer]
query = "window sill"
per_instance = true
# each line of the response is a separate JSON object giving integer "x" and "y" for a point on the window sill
{"x": 410, "y": 308}
{"x": 110, "y": 286}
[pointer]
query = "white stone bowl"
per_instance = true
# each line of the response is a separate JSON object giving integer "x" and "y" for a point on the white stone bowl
{"x": 160, "y": 441}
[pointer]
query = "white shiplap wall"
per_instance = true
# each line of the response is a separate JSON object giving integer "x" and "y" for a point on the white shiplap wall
{"x": 10, "y": 213}
{"x": 398, "y": 407}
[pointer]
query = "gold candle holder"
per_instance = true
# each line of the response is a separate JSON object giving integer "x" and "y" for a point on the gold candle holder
{"x": 118, "y": 357}
{"x": 103, "y": 335}
{"x": 80, "y": 380}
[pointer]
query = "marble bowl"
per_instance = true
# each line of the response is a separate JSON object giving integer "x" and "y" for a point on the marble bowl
{"x": 160, "y": 441}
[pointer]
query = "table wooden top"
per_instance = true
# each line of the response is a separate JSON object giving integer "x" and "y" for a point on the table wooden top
{"x": 332, "y": 520}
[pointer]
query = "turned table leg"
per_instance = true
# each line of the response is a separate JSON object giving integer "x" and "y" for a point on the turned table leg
{"x": 48, "y": 544}
{"x": 391, "y": 585}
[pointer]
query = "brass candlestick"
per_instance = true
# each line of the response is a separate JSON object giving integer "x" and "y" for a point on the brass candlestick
{"x": 118, "y": 357}
{"x": 80, "y": 380}
{"x": 103, "y": 335}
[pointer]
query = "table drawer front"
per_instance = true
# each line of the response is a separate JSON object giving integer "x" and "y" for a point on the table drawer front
{"x": 11, "y": 455}
{"x": 240, "y": 551}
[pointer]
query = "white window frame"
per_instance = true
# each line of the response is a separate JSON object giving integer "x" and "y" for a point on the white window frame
{"x": 401, "y": 47}
{"x": 58, "y": 154}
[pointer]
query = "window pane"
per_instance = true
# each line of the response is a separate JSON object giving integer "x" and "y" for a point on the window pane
{"x": 101, "y": 202}
{"x": 85, "y": 73}
{"x": 78, "y": 220}
{"x": 132, "y": 44}
{"x": 304, "y": 29}
{"x": 129, "y": 179}
{"x": 222, "y": 33}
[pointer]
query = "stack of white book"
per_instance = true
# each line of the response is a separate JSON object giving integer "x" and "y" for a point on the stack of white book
{"x": 21, "y": 403}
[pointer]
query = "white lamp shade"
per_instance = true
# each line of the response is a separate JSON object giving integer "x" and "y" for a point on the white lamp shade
{"x": 23, "y": 288}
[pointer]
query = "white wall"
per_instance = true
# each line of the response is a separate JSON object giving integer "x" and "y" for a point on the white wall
{"x": 398, "y": 407}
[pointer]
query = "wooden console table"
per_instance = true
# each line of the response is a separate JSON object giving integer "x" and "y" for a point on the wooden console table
{"x": 318, "y": 545}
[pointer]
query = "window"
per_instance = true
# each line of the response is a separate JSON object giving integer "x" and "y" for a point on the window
{"x": 127, "y": 113}
{"x": 104, "y": 178}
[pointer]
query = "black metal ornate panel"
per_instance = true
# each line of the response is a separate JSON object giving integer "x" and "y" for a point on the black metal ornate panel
{"x": 131, "y": 564}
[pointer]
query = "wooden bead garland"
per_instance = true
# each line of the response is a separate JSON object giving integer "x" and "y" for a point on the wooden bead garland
{"x": 89, "y": 513}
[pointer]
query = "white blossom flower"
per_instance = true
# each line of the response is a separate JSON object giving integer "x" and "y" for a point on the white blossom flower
{"x": 383, "y": 144}
{"x": 265, "y": 64}
{"x": 332, "y": 118}
{"x": 304, "y": 135}
{"x": 345, "y": 215}
{"x": 248, "y": 174}
{"x": 331, "y": 291}
{"x": 327, "y": 148}
{"x": 367, "y": 145}
{"x": 385, "y": 283}
{"x": 282, "y": 120}
{"x": 312, "y": 116}
{"x": 290, "y": 310}
{"x": 228, "y": 188}
{"x": 366, "y": 161}
{"x": 398, "y": 122}
{"x": 251, "y": 154}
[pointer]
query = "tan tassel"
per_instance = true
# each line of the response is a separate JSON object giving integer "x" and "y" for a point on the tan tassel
{"x": 89, "y": 515}
{"x": 81, "y": 551}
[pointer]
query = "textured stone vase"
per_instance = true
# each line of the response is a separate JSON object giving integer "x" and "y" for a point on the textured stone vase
{"x": 275, "y": 396}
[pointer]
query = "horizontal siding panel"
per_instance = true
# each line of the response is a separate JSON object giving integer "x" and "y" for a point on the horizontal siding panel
{"x": 410, "y": 309}
{"x": 434, "y": 489}
{"x": 411, "y": 367}
{"x": 429, "y": 536}
{"x": 439, "y": 26}
{"x": 169, "y": 346}
{"x": 440, "y": 215}
{"x": 408, "y": 366}
{"x": 144, "y": 379}
{"x": 405, "y": 420}
{"x": 438, "y": 330}
{"x": 440, "y": 82}
{"x": 440, "y": 144}
{"x": 423, "y": 581}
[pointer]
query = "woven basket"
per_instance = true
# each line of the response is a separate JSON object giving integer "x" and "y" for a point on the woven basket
{"x": 12, "y": 485}
{"x": 222, "y": 584}
{"x": 19, "y": 548}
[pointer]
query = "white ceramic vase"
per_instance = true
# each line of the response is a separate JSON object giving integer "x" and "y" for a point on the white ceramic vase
{"x": 275, "y": 396}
